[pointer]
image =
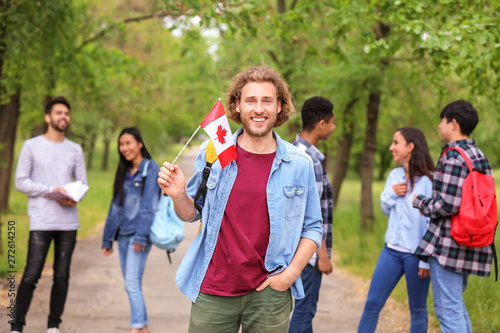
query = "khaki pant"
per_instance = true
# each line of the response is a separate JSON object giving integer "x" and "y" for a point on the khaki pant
{"x": 259, "y": 311}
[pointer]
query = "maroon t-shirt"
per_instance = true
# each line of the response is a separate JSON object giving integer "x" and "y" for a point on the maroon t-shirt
{"x": 237, "y": 265}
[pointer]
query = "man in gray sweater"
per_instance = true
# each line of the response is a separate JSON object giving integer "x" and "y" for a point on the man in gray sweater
{"x": 46, "y": 163}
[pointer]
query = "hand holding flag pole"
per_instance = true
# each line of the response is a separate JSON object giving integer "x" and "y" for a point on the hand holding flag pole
{"x": 217, "y": 127}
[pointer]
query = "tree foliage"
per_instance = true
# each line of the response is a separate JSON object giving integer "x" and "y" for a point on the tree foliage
{"x": 161, "y": 65}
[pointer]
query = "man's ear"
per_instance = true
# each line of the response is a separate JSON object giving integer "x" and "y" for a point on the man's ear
{"x": 237, "y": 106}
{"x": 279, "y": 105}
{"x": 47, "y": 118}
{"x": 321, "y": 124}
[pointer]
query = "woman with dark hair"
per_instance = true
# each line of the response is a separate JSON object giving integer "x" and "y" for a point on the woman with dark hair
{"x": 405, "y": 230}
{"x": 135, "y": 199}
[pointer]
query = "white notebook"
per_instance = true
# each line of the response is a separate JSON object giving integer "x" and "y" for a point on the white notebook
{"x": 75, "y": 191}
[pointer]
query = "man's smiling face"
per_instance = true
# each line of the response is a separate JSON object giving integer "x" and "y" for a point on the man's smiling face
{"x": 258, "y": 108}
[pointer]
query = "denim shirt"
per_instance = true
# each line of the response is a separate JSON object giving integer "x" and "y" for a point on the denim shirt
{"x": 136, "y": 214}
{"x": 293, "y": 205}
{"x": 406, "y": 225}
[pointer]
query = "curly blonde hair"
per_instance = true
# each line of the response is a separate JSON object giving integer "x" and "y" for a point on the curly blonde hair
{"x": 259, "y": 74}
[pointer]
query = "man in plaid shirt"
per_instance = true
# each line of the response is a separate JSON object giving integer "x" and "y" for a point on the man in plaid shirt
{"x": 451, "y": 263}
{"x": 318, "y": 122}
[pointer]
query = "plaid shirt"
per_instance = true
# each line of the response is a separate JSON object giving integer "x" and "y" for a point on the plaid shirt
{"x": 324, "y": 190}
{"x": 450, "y": 173}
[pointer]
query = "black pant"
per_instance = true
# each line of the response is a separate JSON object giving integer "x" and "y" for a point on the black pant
{"x": 39, "y": 242}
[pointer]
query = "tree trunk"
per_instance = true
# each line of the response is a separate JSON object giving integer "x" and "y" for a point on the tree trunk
{"x": 281, "y": 6}
{"x": 50, "y": 87}
{"x": 8, "y": 117}
{"x": 9, "y": 114}
{"x": 368, "y": 161}
{"x": 105, "y": 156}
{"x": 344, "y": 150}
{"x": 90, "y": 153}
{"x": 4, "y": 10}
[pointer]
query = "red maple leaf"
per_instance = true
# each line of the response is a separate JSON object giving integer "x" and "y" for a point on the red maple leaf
{"x": 221, "y": 134}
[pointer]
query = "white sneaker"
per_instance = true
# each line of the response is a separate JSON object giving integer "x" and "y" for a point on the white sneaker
{"x": 15, "y": 332}
{"x": 53, "y": 330}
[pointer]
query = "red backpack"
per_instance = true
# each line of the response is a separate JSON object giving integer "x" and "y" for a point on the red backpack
{"x": 475, "y": 223}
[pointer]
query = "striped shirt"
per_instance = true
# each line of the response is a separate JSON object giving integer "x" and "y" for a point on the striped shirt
{"x": 324, "y": 191}
{"x": 42, "y": 166}
{"x": 449, "y": 176}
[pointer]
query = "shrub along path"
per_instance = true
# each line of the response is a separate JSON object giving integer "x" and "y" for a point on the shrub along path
{"x": 97, "y": 301}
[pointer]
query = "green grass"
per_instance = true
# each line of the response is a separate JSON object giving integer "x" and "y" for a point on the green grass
{"x": 358, "y": 252}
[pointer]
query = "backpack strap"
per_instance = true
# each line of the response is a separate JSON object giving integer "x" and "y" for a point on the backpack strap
{"x": 464, "y": 155}
{"x": 202, "y": 190}
{"x": 495, "y": 259}
{"x": 144, "y": 174}
{"x": 210, "y": 157}
{"x": 494, "y": 254}
{"x": 145, "y": 170}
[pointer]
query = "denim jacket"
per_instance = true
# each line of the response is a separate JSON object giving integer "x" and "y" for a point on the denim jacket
{"x": 293, "y": 205}
{"x": 136, "y": 214}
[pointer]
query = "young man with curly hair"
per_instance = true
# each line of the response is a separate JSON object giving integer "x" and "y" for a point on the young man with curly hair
{"x": 261, "y": 219}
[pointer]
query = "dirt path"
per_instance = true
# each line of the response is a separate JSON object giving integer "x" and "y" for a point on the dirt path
{"x": 97, "y": 301}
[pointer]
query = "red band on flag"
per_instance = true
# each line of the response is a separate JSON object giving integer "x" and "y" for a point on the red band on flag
{"x": 227, "y": 156}
{"x": 214, "y": 114}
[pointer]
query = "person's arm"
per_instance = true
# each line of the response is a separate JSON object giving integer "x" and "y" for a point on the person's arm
{"x": 318, "y": 175}
{"x": 310, "y": 239}
{"x": 447, "y": 201}
{"x": 323, "y": 260}
{"x": 79, "y": 174}
{"x": 107, "y": 235}
{"x": 311, "y": 227}
{"x": 427, "y": 193}
{"x": 284, "y": 279}
{"x": 423, "y": 269}
{"x": 23, "y": 182}
{"x": 391, "y": 191}
{"x": 324, "y": 263}
{"x": 80, "y": 169}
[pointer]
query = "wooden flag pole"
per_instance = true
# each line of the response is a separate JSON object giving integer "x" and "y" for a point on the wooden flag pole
{"x": 186, "y": 144}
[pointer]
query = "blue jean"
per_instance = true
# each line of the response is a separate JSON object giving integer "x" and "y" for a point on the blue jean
{"x": 390, "y": 268}
{"x": 38, "y": 246}
{"x": 447, "y": 289}
{"x": 133, "y": 264}
{"x": 305, "y": 308}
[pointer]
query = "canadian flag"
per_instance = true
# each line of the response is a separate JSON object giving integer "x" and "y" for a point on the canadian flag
{"x": 217, "y": 128}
